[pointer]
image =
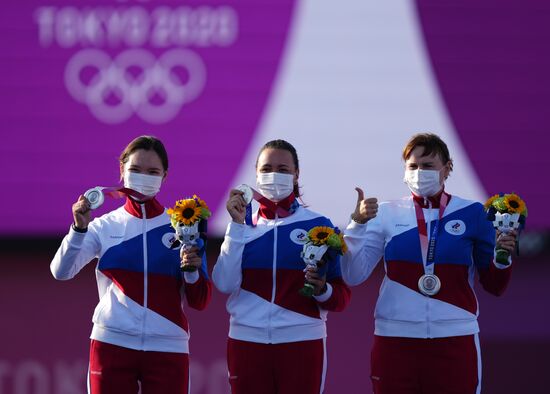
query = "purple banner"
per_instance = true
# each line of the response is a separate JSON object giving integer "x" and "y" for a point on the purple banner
{"x": 81, "y": 79}
{"x": 217, "y": 79}
{"x": 491, "y": 63}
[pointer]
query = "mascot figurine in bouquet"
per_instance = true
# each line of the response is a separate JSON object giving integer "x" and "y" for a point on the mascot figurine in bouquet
{"x": 507, "y": 212}
{"x": 189, "y": 218}
{"x": 321, "y": 247}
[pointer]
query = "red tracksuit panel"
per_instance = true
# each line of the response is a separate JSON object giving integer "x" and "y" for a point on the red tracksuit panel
{"x": 286, "y": 368}
{"x": 116, "y": 370}
{"x": 424, "y": 366}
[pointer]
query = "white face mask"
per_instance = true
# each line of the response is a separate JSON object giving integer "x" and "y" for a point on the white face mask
{"x": 424, "y": 183}
{"x": 275, "y": 185}
{"x": 148, "y": 185}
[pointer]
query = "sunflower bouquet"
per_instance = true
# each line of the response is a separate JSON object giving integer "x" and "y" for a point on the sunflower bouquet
{"x": 507, "y": 212}
{"x": 321, "y": 246}
{"x": 188, "y": 217}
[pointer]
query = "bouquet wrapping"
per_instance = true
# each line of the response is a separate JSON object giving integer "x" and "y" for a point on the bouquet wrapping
{"x": 321, "y": 247}
{"x": 507, "y": 212}
{"x": 189, "y": 218}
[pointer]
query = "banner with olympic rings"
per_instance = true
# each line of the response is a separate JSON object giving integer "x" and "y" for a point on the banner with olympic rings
{"x": 346, "y": 84}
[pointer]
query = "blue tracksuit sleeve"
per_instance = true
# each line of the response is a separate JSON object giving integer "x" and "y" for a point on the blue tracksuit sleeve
{"x": 484, "y": 244}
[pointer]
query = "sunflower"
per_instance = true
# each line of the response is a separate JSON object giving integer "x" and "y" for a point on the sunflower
{"x": 205, "y": 212}
{"x": 490, "y": 201}
{"x": 200, "y": 202}
{"x": 319, "y": 235}
{"x": 514, "y": 203}
{"x": 185, "y": 212}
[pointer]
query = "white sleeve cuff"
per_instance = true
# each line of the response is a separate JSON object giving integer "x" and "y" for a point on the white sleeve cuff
{"x": 326, "y": 295}
{"x": 191, "y": 277}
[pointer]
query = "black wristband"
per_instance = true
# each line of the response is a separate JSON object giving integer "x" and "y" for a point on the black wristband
{"x": 79, "y": 230}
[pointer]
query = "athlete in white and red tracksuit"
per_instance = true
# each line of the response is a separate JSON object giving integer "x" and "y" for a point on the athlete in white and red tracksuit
{"x": 425, "y": 343}
{"x": 140, "y": 331}
{"x": 277, "y": 336}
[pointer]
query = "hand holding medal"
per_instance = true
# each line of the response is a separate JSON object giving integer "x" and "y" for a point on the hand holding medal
{"x": 508, "y": 213}
{"x": 247, "y": 192}
{"x": 95, "y": 197}
{"x": 81, "y": 213}
{"x": 239, "y": 203}
{"x": 321, "y": 247}
{"x": 189, "y": 217}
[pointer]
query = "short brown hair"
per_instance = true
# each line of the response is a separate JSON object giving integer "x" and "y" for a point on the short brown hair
{"x": 145, "y": 142}
{"x": 433, "y": 145}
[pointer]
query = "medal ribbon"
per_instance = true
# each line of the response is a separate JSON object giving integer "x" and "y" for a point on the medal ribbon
{"x": 270, "y": 205}
{"x": 427, "y": 247}
{"x": 118, "y": 192}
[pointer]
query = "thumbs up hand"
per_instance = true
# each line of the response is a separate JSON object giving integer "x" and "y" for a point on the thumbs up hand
{"x": 365, "y": 209}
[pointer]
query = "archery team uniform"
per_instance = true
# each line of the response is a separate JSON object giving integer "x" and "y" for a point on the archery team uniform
{"x": 426, "y": 344}
{"x": 140, "y": 331}
{"x": 277, "y": 336}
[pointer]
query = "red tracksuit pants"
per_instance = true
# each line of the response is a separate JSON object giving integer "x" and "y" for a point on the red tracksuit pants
{"x": 285, "y": 368}
{"x": 449, "y": 365}
{"x": 117, "y": 370}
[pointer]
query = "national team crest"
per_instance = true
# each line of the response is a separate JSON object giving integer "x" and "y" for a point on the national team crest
{"x": 455, "y": 227}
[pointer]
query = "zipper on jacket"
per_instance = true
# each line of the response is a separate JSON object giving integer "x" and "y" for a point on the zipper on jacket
{"x": 274, "y": 277}
{"x": 145, "y": 268}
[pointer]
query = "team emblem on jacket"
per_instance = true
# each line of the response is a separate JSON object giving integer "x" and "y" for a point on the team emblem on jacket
{"x": 455, "y": 227}
{"x": 298, "y": 236}
{"x": 167, "y": 239}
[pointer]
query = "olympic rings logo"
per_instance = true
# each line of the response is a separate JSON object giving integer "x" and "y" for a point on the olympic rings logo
{"x": 135, "y": 82}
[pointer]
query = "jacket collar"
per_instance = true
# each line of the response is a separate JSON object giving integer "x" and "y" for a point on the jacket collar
{"x": 283, "y": 208}
{"x": 152, "y": 208}
{"x": 430, "y": 202}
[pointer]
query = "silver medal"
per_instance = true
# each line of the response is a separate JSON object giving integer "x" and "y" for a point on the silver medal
{"x": 95, "y": 197}
{"x": 429, "y": 284}
{"x": 247, "y": 192}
